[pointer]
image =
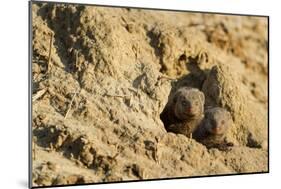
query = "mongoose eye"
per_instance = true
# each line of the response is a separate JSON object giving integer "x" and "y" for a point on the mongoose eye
{"x": 222, "y": 122}
{"x": 184, "y": 103}
{"x": 214, "y": 123}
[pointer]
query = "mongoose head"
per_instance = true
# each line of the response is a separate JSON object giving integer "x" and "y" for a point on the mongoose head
{"x": 188, "y": 103}
{"x": 217, "y": 120}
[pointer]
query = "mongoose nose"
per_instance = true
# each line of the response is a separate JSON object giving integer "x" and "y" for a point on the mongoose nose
{"x": 216, "y": 129}
{"x": 189, "y": 109}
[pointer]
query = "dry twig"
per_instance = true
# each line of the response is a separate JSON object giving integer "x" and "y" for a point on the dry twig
{"x": 69, "y": 108}
{"x": 39, "y": 94}
{"x": 133, "y": 90}
{"x": 50, "y": 53}
{"x": 166, "y": 77}
{"x": 120, "y": 96}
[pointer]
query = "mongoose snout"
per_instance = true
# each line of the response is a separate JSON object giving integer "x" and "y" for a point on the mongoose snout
{"x": 212, "y": 130}
{"x": 184, "y": 112}
{"x": 189, "y": 103}
{"x": 217, "y": 120}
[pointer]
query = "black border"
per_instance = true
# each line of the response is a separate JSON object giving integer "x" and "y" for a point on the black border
{"x": 30, "y": 50}
{"x": 30, "y": 87}
{"x": 159, "y": 179}
{"x": 147, "y": 8}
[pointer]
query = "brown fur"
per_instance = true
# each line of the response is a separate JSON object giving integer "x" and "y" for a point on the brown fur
{"x": 206, "y": 133}
{"x": 175, "y": 119}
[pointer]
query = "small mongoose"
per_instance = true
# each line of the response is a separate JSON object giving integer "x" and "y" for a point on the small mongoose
{"x": 184, "y": 112}
{"x": 212, "y": 130}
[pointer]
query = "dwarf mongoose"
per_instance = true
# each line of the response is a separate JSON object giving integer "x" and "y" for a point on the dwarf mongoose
{"x": 184, "y": 112}
{"x": 211, "y": 131}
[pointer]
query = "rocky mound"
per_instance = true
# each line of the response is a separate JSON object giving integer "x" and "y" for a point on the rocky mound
{"x": 102, "y": 76}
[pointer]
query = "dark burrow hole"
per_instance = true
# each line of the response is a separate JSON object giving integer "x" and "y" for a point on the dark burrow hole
{"x": 182, "y": 57}
{"x": 194, "y": 79}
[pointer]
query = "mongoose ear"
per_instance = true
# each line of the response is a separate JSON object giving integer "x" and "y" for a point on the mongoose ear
{"x": 229, "y": 115}
{"x": 202, "y": 97}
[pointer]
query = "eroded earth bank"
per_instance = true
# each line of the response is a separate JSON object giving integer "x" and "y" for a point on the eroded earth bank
{"x": 102, "y": 76}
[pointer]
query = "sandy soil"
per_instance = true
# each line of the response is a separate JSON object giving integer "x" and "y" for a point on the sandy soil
{"x": 102, "y": 76}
